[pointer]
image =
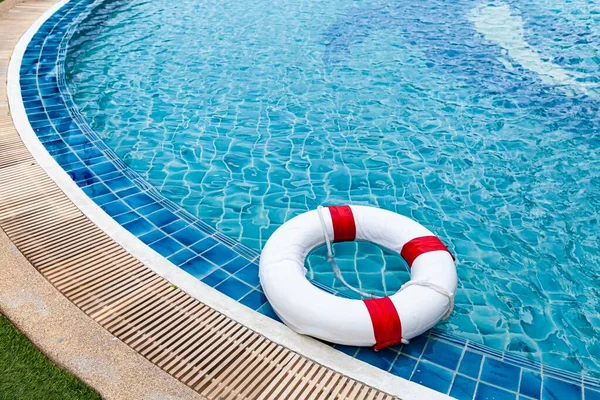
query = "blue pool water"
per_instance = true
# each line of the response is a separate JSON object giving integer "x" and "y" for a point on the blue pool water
{"x": 480, "y": 120}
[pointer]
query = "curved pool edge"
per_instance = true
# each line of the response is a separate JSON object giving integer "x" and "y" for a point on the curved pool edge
{"x": 276, "y": 332}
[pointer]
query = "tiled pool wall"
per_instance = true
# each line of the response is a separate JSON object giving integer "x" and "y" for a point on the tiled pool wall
{"x": 446, "y": 363}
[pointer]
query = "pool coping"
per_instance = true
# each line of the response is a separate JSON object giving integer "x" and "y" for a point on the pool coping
{"x": 274, "y": 331}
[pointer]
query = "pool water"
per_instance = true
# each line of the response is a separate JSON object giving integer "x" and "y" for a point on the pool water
{"x": 478, "y": 119}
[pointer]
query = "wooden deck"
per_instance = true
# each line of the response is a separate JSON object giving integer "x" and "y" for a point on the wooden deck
{"x": 214, "y": 355}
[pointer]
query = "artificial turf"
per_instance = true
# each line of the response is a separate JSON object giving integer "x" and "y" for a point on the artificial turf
{"x": 26, "y": 374}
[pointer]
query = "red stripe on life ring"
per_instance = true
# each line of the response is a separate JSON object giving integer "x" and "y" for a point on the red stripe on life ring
{"x": 344, "y": 227}
{"x": 424, "y": 244}
{"x": 386, "y": 322}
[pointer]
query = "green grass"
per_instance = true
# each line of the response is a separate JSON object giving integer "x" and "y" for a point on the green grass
{"x": 26, "y": 374}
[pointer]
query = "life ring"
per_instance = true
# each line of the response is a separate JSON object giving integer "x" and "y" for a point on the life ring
{"x": 416, "y": 307}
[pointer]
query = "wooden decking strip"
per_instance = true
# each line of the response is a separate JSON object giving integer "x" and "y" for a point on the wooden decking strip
{"x": 214, "y": 355}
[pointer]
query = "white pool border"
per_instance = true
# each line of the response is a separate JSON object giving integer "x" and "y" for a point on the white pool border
{"x": 271, "y": 329}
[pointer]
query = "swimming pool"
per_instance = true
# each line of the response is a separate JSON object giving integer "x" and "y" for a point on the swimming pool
{"x": 477, "y": 257}
{"x": 247, "y": 114}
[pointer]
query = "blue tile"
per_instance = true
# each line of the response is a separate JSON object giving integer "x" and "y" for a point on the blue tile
{"x": 115, "y": 208}
{"x": 95, "y": 190}
{"x": 555, "y": 389}
{"x": 174, "y": 226}
{"x": 233, "y": 288}
{"x": 182, "y": 257}
{"x": 74, "y": 138}
{"x": 138, "y": 200}
{"x": 111, "y": 176}
{"x": 139, "y": 227}
{"x": 87, "y": 152}
{"x": 53, "y": 101}
{"x": 484, "y": 349}
{"x": 36, "y": 117}
{"x": 531, "y": 384}
{"x": 470, "y": 364}
{"x": 46, "y": 134}
{"x": 127, "y": 217}
{"x": 416, "y": 346}
{"x": 521, "y": 361}
{"x": 152, "y": 236}
{"x": 104, "y": 199}
{"x": 591, "y": 394}
{"x": 85, "y": 180}
{"x": 83, "y": 175}
{"x": 103, "y": 168}
{"x": 562, "y": 374}
{"x": 487, "y": 392}
{"x": 94, "y": 160}
{"x": 59, "y": 113}
{"x": 149, "y": 209}
{"x": 28, "y": 83}
{"x": 167, "y": 246}
{"x": 442, "y": 353}
{"x": 37, "y": 103}
{"x": 220, "y": 254}
{"x": 463, "y": 388}
{"x": 71, "y": 166}
{"x": 382, "y": 359}
{"x": 403, "y": 366}
{"x": 32, "y": 110}
{"x": 203, "y": 245}
{"x": 188, "y": 236}
{"x": 432, "y": 376}
{"x": 27, "y": 61}
{"x": 215, "y": 278}
{"x": 42, "y": 123}
{"x": 255, "y": 299}
{"x": 47, "y": 89}
{"x": 268, "y": 311}
{"x": 249, "y": 275}
{"x": 592, "y": 383}
{"x": 47, "y": 78}
{"x": 161, "y": 218}
{"x": 198, "y": 267}
{"x": 64, "y": 127}
{"x": 500, "y": 374}
{"x": 31, "y": 96}
{"x": 127, "y": 192}
{"x": 235, "y": 265}
{"x": 119, "y": 184}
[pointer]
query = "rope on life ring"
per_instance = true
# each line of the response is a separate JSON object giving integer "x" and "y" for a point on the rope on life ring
{"x": 438, "y": 289}
{"x": 338, "y": 273}
{"x": 334, "y": 266}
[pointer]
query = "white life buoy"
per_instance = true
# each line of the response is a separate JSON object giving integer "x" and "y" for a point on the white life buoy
{"x": 417, "y": 306}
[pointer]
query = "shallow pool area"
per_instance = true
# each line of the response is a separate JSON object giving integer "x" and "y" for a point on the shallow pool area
{"x": 246, "y": 115}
